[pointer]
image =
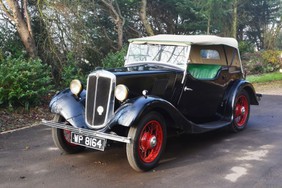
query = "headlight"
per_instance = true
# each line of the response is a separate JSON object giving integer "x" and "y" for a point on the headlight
{"x": 121, "y": 92}
{"x": 76, "y": 87}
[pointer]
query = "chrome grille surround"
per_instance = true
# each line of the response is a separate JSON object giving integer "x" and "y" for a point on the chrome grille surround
{"x": 99, "y": 99}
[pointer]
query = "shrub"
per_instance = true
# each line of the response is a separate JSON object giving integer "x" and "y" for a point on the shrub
{"x": 72, "y": 71}
{"x": 272, "y": 56}
{"x": 261, "y": 62}
{"x": 246, "y": 47}
{"x": 115, "y": 59}
{"x": 23, "y": 82}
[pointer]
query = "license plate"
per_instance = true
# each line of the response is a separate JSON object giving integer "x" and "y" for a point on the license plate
{"x": 88, "y": 141}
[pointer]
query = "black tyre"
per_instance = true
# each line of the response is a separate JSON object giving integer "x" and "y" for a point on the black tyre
{"x": 241, "y": 111}
{"x": 148, "y": 141}
{"x": 62, "y": 138}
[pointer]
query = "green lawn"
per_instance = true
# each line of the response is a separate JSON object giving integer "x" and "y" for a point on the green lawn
{"x": 265, "y": 77}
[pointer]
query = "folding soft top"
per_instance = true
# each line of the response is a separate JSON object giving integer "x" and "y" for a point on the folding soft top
{"x": 186, "y": 40}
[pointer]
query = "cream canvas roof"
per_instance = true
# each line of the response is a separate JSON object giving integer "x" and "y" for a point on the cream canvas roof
{"x": 187, "y": 40}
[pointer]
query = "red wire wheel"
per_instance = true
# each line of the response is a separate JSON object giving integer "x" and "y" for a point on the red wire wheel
{"x": 148, "y": 140}
{"x": 62, "y": 138}
{"x": 241, "y": 111}
{"x": 67, "y": 137}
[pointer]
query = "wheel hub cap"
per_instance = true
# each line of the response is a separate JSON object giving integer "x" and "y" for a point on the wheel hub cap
{"x": 243, "y": 110}
{"x": 148, "y": 141}
{"x": 153, "y": 141}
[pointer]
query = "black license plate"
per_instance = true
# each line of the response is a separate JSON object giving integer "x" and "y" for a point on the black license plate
{"x": 88, "y": 141}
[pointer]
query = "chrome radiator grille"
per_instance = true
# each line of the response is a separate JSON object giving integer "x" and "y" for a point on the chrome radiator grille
{"x": 100, "y": 98}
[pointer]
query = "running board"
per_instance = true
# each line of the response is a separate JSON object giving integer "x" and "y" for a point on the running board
{"x": 201, "y": 128}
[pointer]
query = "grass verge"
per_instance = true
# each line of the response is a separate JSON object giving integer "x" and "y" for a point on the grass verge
{"x": 262, "y": 78}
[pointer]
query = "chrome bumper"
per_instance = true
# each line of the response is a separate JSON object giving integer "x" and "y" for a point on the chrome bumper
{"x": 87, "y": 132}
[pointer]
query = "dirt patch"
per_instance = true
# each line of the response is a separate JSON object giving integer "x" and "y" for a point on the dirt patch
{"x": 19, "y": 118}
{"x": 270, "y": 88}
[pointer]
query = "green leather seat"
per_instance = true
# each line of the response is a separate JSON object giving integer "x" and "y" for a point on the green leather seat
{"x": 203, "y": 71}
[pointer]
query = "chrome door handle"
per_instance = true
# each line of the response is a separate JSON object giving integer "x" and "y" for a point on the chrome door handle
{"x": 187, "y": 89}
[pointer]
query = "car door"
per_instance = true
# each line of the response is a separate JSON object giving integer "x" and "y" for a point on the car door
{"x": 200, "y": 98}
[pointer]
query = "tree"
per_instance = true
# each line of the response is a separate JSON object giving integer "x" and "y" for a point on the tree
{"x": 113, "y": 9}
{"x": 19, "y": 16}
{"x": 264, "y": 22}
{"x": 235, "y": 19}
{"x": 144, "y": 19}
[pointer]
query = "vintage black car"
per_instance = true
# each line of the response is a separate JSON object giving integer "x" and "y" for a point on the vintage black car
{"x": 191, "y": 83}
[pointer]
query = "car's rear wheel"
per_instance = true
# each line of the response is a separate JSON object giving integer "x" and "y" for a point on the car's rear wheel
{"x": 241, "y": 111}
{"x": 62, "y": 138}
{"x": 148, "y": 140}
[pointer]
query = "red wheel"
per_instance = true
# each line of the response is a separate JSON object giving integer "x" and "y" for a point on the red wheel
{"x": 148, "y": 141}
{"x": 241, "y": 111}
{"x": 67, "y": 137}
{"x": 62, "y": 138}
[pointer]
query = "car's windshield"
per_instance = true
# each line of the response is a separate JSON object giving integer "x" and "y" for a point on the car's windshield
{"x": 169, "y": 54}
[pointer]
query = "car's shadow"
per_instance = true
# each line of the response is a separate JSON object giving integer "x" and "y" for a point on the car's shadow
{"x": 181, "y": 149}
{"x": 190, "y": 148}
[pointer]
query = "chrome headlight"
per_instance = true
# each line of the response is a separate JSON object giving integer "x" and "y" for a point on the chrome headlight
{"x": 76, "y": 87}
{"x": 121, "y": 92}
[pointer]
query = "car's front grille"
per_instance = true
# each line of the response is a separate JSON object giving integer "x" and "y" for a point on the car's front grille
{"x": 100, "y": 98}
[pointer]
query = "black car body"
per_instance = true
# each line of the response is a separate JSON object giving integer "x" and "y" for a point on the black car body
{"x": 190, "y": 83}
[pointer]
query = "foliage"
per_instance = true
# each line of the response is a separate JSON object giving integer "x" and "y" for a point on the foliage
{"x": 261, "y": 62}
{"x": 115, "y": 59}
{"x": 1, "y": 55}
{"x": 10, "y": 44}
{"x": 272, "y": 56}
{"x": 246, "y": 47}
{"x": 92, "y": 31}
{"x": 268, "y": 77}
{"x": 72, "y": 71}
{"x": 23, "y": 82}
{"x": 263, "y": 17}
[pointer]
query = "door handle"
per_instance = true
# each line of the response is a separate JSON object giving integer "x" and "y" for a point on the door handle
{"x": 187, "y": 89}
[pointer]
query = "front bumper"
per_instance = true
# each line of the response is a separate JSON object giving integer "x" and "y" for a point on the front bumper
{"x": 87, "y": 132}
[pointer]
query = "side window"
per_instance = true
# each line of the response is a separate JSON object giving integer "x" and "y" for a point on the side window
{"x": 209, "y": 54}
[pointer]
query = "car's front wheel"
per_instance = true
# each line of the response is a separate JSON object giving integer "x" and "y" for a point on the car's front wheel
{"x": 241, "y": 111}
{"x": 148, "y": 140}
{"x": 62, "y": 138}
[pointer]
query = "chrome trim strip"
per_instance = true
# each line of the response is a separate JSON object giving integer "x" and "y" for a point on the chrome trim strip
{"x": 87, "y": 132}
{"x": 95, "y": 97}
{"x": 110, "y": 104}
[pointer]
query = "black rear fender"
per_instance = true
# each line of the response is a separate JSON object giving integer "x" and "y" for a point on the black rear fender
{"x": 231, "y": 93}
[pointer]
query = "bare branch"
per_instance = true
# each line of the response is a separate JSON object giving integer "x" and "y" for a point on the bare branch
{"x": 27, "y": 17}
{"x": 118, "y": 19}
{"x": 7, "y": 12}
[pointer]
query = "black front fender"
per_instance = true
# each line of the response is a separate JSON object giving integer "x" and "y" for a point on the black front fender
{"x": 132, "y": 111}
{"x": 70, "y": 107}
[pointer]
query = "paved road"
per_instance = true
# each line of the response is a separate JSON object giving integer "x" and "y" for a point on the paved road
{"x": 251, "y": 158}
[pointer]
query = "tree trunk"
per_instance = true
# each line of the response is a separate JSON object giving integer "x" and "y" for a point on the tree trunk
{"x": 235, "y": 19}
{"x": 209, "y": 25}
{"x": 23, "y": 25}
{"x": 115, "y": 13}
{"x": 143, "y": 17}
